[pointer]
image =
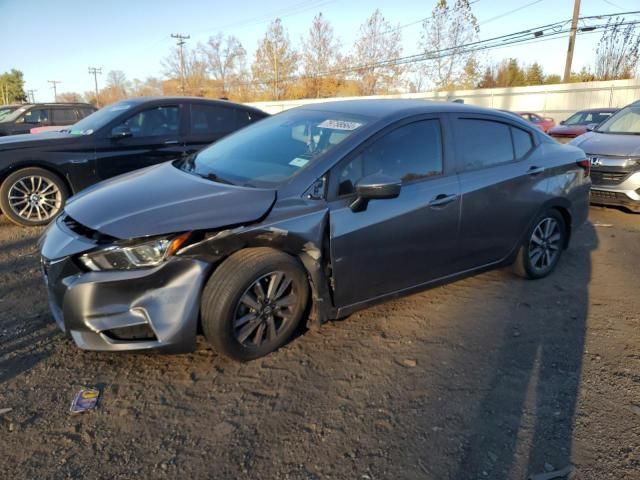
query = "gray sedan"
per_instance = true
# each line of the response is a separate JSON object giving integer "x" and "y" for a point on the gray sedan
{"x": 311, "y": 214}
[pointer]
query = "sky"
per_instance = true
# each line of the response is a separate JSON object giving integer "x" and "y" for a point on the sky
{"x": 59, "y": 40}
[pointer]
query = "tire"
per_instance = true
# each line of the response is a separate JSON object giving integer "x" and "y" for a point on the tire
{"x": 232, "y": 304}
{"x": 32, "y": 196}
{"x": 531, "y": 261}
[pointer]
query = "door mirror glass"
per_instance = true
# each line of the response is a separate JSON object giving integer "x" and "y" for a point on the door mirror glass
{"x": 375, "y": 187}
{"x": 562, "y": 122}
{"x": 121, "y": 131}
{"x": 591, "y": 127}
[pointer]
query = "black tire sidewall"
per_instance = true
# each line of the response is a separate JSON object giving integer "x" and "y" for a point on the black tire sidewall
{"x": 217, "y": 323}
{"x": 528, "y": 267}
{"x": 26, "y": 172}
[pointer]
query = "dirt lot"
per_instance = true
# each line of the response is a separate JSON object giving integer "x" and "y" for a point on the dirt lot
{"x": 490, "y": 377}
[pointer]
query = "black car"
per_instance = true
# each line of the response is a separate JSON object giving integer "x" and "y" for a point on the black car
{"x": 25, "y": 117}
{"x": 39, "y": 172}
{"x": 319, "y": 210}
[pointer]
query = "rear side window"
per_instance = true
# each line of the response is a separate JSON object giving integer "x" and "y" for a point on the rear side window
{"x": 410, "y": 152}
{"x": 85, "y": 112}
{"x": 483, "y": 143}
{"x": 522, "y": 142}
{"x": 213, "y": 119}
{"x": 63, "y": 116}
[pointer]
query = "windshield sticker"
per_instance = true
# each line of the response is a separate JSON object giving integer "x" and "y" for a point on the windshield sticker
{"x": 339, "y": 125}
{"x": 299, "y": 162}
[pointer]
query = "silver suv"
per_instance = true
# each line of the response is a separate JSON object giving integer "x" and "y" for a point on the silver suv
{"x": 613, "y": 148}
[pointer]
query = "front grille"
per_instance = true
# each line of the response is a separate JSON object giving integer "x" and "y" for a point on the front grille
{"x": 84, "y": 231}
{"x": 604, "y": 195}
{"x": 141, "y": 332}
{"x": 608, "y": 178}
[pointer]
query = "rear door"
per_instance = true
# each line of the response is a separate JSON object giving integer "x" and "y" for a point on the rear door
{"x": 395, "y": 243}
{"x": 502, "y": 182}
{"x": 155, "y": 138}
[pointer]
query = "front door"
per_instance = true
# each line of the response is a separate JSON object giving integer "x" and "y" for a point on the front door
{"x": 397, "y": 243}
{"x": 154, "y": 138}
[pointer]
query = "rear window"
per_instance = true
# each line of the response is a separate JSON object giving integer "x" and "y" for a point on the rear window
{"x": 218, "y": 119}
{"x": 483, "y": 143}
{"x": 63, "y": 116}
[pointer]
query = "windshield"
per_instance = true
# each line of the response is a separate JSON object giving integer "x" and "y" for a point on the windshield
{"x": 99, "y": 119}
{"x": 586, "y": 118}
{"x": 13, "y": 116}
{"x": 5, "y": 111}
{"x": 626, "y": 121}
{"x": 274, "y": 149}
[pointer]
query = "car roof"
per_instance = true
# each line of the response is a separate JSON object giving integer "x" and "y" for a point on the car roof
{"x": 384, "y": 108}
{"x": 141, "y": 100}
{"x": 599, "y": 110}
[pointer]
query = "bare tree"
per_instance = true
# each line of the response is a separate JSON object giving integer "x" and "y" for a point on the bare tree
{"x": 148, "y": 88}
{"x": 116, "y": 88}
{"x": 444, "y": 36}
{"x": 376, "y": 51}
{"x": 276, "y": 60}
{"x": 225, "y": 61}
{"x": 70, "y": 97}
{"x": 320, "y": 55}
{"x": 618, "y": 51}
{"x": 195, "y": 71}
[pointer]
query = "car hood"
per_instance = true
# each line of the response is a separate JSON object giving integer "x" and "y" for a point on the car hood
{"x": 568, "y": 130}
{"x": 25, "y": 140}
{"x": 163, "y": 199}
{"x": 609, "y": 144}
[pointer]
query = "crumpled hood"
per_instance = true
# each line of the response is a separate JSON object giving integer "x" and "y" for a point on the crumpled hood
{"x": 609, "y": 144}
{"x": 26, "y": 140}
{"x": 163, "y": 199}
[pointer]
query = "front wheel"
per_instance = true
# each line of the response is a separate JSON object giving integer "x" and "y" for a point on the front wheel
{"x": 32, "y": 196}
{"x": 253, "y": 303}
{"x": 542, "y": 249}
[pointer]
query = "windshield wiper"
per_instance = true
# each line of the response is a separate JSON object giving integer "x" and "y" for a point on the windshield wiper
{"x": 215, "y": 178}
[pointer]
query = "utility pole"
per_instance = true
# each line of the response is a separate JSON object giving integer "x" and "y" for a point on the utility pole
{"x": 181, "y": 41}
{"x": 31, "y": 96}
{"x": 95, "y": 71}
{"x": 572, "y": 41}
{"x": 54, "y": 83}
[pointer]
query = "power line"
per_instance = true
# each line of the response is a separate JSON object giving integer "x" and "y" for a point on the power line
{"x": 180, "y": 43}
{"x": 95, "y": 72}
{"x": 54, "y": 83}
{"x": 543, "y": 33}
{"x": 505, "y": 14}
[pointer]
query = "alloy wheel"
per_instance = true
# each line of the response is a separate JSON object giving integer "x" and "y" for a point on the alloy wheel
{"x": 264, "y": 309}
{"x": 35, "y": 198}
{"x": 545, "y": 244}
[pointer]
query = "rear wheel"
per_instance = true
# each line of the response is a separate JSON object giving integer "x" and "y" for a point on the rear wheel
{"x": 542, "y": 249}
{"x": 253, "y": 303}
{"x": 32, "y": 196}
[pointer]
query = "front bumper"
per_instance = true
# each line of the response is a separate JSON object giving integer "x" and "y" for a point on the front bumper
{"x": 624, "y": 194}
{"x": 154, "y": 308}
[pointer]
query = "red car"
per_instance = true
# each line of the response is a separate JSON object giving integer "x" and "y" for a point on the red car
{"x": 578, "y": 123}
{"x": 543, "y": 123}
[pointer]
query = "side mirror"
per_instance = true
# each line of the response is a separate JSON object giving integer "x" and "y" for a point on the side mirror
{"x": 121, "y": 131}
{"x": 375, "y": 187}
{"x": 562, "y": 122}
{"x": 591, "y": 127}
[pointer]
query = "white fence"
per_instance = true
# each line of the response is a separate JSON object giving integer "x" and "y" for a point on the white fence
{"x": 556, "y": 101}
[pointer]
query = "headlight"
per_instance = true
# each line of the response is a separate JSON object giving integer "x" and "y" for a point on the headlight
{"x": 147, "y": 254}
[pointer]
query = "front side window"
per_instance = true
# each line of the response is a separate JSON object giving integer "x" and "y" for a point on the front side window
{"x": 36, "y": 115}
{"x": 410, "y": 152}
{"x": 272, "y": 150}
{"x": 626, "y": 121}
{"x": 154, "y": 122}
{"x": 483, "y": 143}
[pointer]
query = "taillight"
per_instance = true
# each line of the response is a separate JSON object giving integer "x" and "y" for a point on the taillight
{"x": 586, "y": 165}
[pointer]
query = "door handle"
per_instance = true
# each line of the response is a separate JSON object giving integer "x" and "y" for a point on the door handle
{"x": 171, "y": 142}
{"x": 535, "y": 170}
{"x": 442, "y": 199}
{"x": 77, "y": 161}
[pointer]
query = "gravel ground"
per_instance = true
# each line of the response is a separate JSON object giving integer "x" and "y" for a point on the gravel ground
{"x": 490, "y": 377}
